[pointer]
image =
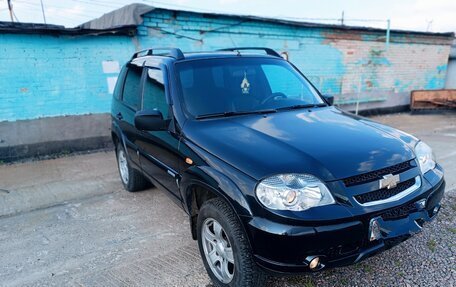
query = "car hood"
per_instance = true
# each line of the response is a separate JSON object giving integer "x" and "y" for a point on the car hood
{"x": 325, "y": 142}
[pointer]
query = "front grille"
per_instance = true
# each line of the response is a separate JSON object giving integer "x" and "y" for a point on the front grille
{"x": 376, "y": 175}
{"x": 384, "y": 193}
{"x": 399, "y": 212}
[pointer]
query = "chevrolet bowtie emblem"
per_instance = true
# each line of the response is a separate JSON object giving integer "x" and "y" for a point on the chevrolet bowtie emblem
{"x": 389, "y": 181}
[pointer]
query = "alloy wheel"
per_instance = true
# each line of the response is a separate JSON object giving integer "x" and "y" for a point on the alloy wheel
{"x": 123, "y": 166}
{"x": 218, "y": 250}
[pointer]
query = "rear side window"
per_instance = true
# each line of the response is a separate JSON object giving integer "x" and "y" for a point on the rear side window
{"x": 119, "y": 83}
{"x": 154, "y": 97}
{"x": 131, "y": 91}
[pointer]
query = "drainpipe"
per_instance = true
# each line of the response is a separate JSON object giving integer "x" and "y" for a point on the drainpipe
{"x": 359, "y": 93}
{"x": 388, "y": 23}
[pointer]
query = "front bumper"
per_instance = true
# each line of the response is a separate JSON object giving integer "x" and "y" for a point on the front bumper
{"x": 284, "y": 248}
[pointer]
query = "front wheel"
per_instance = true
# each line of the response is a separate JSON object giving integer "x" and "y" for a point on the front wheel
{"x": 224, "y": 247}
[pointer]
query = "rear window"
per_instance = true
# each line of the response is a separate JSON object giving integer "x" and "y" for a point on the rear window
{"x": 120, "y": 80}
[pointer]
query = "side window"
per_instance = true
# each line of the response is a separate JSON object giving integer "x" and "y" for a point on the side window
{"x": 154, "y": 97}
{"x": 131, "y": 90}
{"x": 119, "y": 83}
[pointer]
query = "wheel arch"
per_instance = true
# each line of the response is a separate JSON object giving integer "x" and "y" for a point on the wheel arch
{"x": 200, "y": 184}
{"x": 115, "y": 138}
{"x": 117, "y": 135}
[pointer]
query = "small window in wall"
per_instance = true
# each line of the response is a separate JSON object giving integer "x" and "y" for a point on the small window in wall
{"x": 154, "y": 97}
{"x": 131, "y": 91}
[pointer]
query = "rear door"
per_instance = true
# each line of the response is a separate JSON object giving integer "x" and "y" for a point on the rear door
{"x": 159, "y": 149}
{"x": 130, "y": 103}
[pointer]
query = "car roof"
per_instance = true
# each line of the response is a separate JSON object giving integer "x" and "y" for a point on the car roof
{"x": 152, "y": 60}
{"x": 218, "y": 54}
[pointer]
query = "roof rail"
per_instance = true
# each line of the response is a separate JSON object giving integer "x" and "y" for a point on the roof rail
{"x": 176, "y": 53}
{"x": 268, "y": 51}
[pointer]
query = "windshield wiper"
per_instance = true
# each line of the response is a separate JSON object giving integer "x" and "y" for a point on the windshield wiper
{"x": 302, "y": 106}
{"x": 232, "y": 113}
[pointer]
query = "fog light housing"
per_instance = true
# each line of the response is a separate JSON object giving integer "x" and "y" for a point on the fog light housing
{"x": 313, "y": 262}
{"x": 374, "y": 230}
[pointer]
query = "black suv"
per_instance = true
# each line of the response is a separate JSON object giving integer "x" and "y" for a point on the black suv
{"x": 272, "y": 176}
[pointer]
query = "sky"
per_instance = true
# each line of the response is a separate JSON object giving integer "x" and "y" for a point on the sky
{"x": 419, "y": 15}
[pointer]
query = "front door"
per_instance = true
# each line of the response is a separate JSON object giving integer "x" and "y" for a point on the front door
{"x": 158, "y": 149}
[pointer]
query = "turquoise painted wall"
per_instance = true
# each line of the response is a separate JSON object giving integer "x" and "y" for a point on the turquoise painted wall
{"x": 45, "y": 76}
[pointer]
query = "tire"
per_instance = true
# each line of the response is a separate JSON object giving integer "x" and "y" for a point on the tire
{"x": 243, "y": 271}
{"x": 131, "y": 178}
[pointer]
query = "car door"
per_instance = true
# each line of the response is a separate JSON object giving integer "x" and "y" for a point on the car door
{"x": 130, "y": 103}
{"x": 158, "y": 150}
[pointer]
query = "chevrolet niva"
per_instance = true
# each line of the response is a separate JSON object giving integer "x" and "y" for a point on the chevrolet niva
{"x": 272, "y": 176}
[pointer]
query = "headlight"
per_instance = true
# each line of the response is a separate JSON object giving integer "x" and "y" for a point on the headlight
{"x": 293, "y": 192}
{"x": 425, "y": 157}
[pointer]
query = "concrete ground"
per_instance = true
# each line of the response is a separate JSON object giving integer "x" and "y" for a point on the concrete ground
{"x": 68, "y": 222}
{"x": 438, "y": 131}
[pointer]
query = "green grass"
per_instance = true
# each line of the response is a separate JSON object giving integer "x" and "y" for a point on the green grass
{"x": 301, "y": 281}
{"x": 367, "y": 268}
{"x": 453, "y": 206}
{"x": 363, "y": 266}
{"x": 308, "y": 283}
{"x": 452, "y": 230}
{"x": 357, "y": 266}
{"x": 343, "y": 281}
{"x": 64, "y": 152}
{"x": 432, "y": 244}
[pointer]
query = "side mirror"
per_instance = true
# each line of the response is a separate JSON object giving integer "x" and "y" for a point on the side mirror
{"x": 149, "y": 120}
{"x": 329, "y": 99}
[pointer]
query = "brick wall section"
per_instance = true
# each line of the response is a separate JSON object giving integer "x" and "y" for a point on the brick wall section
{"x": 45, "y": 76}
{"x": 345, "y": 63}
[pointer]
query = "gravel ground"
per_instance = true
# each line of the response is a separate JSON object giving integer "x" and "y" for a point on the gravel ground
{"x": 121, "y": 239}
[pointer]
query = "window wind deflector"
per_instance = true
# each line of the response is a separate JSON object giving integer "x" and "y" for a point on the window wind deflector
{"x": 232, "y": 113}
{"x": 303, "y": 106}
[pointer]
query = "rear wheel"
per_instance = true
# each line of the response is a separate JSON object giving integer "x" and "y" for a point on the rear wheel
{"x": 224, "y": 247}
{"x": 132, "y": 179}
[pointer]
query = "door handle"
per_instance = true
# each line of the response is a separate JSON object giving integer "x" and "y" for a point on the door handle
{"x": 119, "y": 116}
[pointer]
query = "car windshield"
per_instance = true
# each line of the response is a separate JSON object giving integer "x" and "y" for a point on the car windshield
{"x": 242, "y": 85}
